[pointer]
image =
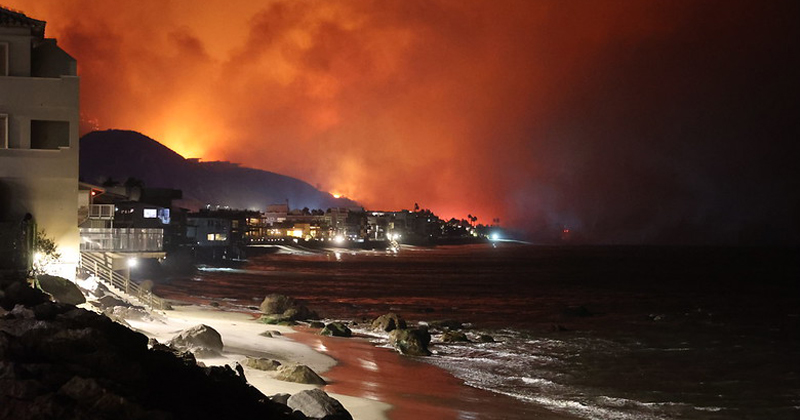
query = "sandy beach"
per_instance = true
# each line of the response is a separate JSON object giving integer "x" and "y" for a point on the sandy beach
{"x": 371, "y": 381}
{"x": 241, "y": 337}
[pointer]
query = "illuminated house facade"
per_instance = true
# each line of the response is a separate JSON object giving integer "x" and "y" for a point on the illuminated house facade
{"x": 39, "y": 118}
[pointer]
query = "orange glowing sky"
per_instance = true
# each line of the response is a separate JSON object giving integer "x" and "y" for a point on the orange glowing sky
{"x": 495, "y": 108}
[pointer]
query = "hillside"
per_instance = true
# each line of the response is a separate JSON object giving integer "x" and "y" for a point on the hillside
{"x": 122, "y": 154}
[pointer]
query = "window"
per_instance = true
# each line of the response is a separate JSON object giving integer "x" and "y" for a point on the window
{"x": 49, "y": 134}
{"x": 3, "y": 131}
{"x": 3, "y": 59}
{"x": 150, "y": 213}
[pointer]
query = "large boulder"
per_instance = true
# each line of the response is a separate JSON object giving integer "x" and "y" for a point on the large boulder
{"x": 316, "y": 404}
{"x": 412, "y": 342}
{"x": 18, "y": 292}
{"x": 201, "y": 340}
{"x": 61, "y": 289}
{"x": 299, "y": 373}
{"x": 388, "y": 322}
{"x": 279, "y": 308}
{"x": 336, "y": 329}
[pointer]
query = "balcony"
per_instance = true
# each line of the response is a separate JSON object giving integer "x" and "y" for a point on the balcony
{"x": 101, "y": 211}
{"x": 30, "y": 94}
{"x": 122, "y": 240}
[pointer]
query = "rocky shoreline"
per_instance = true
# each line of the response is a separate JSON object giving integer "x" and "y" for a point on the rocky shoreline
{"x": 61, "y": 361}
{"x": 410, "y": 341}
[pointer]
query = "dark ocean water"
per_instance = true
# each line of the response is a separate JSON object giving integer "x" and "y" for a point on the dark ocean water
{"x": 594, "y": 332}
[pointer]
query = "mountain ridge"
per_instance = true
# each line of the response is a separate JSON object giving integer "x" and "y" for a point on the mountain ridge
{"x": 121, "y": 154}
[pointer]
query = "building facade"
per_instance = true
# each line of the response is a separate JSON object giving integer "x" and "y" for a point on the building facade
{"x": 39, "y": 117}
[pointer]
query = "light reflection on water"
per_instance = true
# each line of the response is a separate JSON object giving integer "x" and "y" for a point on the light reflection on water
{"x": 696, "y": 334}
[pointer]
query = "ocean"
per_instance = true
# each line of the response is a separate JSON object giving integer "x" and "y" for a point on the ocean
{"x": 615, "y": 332}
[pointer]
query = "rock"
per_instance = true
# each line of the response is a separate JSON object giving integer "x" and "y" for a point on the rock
{"x": 61, "y": 289}
{"x": 412, "y": 342}
{"x": 19, "y": 292}
{"x": 266, "y": 334}
{"x": 66, "y": 362}
{"x": 261, "y": 363}
{"x": 277, "y": 320}
{"x": 47, "y": 311}
{"x": 119, "y": 313}
{"x": 316, "y": 324}
{"x": 336, "y": 329}
{"x": 316, "y": 404}
{"x": 388, "y": 322}
{"x": 154, "y": 344}
{"x": 201, "y": 340}
{"x": 558, "y": 328}
{"x": 299, "y": 373}
{"x": 483, "y": 338}
{"x": 102, "y": 402}
{"x": 79, "y": 388}
{"x": 21, "y": 312}
{"x": 109, "y": 301}
{"x": 280, "y": 398}
{"x": 240, "y": 371}
{"x": 454, "y": 337}
{"x": 276, "y": 304}
{"x": 285, "y": 308}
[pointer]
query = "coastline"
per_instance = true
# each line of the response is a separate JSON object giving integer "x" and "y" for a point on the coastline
{"x": 372, "y": 382}
{"x": 413, "y": 388}
{"x": 241, "y": 337}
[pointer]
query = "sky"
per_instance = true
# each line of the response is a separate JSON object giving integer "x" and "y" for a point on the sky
{"x": 640, "y": 121}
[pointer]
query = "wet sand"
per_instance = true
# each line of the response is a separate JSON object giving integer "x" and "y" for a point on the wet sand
{"x": 416, "y": 390}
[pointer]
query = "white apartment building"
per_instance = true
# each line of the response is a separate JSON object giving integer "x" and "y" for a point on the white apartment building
{"x": 39, "y": 117}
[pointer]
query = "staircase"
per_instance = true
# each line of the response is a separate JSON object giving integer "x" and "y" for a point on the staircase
{"x": 101, "y": 266}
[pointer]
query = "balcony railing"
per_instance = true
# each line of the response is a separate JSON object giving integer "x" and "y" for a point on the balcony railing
{"x": 122, "y": 240}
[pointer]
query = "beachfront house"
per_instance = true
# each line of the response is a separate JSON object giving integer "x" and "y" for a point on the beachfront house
{"x": 39, "y": 118}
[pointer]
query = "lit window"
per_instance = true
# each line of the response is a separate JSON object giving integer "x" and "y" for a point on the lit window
{"x": 217, "y": 237}
{"x": 150, "y": 213}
